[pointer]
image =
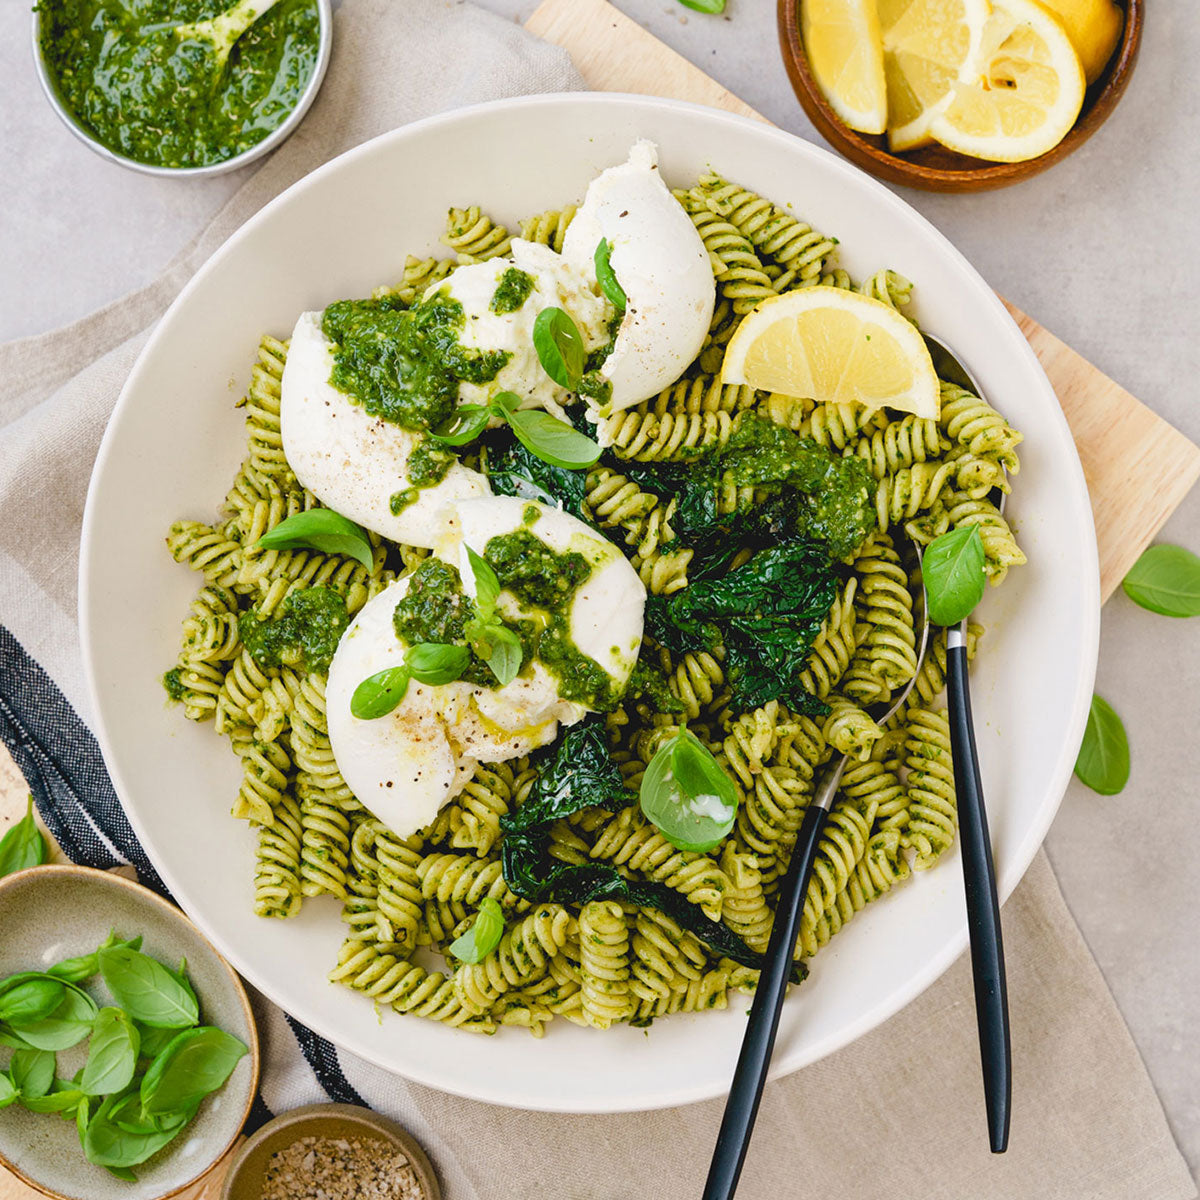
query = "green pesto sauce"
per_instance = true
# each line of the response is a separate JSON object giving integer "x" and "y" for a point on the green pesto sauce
{"x": 405, "y": 364}
{"x": 514, "y": 288}
{"x": 531, "y": 514}
{"x": 399, "y": 501}
{"x": 311, "y": 621}
{"x": 173, "y": 682}
{"x": 543, "y": 579}
{"x": 429, "y": 462}
{"x": 160, "y": 99}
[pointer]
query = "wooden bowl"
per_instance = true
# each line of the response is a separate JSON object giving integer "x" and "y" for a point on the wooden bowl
{"x": 247, "y": 1172}
{"x": 52, "y": 912}
{"x": 934, "y": 168}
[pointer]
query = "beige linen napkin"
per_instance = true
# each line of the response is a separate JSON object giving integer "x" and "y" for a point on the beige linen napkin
{"x": 899, "y": 1113}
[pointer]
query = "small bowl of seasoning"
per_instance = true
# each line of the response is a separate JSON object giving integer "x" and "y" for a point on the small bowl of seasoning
{"x": 182, "y": 87}
{"x": 332, "y": 1151}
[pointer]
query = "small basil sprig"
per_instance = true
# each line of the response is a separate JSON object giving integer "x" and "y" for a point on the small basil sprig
{"x": 146, "y": 990}
{"x": 426, "y": 662}
{"x": 1166, "y": 580}
{"x": 112, "y": 1054}
{"x": 193, "y": 1064}
{"x": 559, "y": 346}
{"x": 484, "y": 935}
{"x": 606, "y": 277}
{"x": 953, "y": 569}
{"x": 321, "y": 529}
{"x": 23, "y": 845}
{"x": 687, "y": 795}
{"x": 68, "y": 1025}
{"x": 547, "y": 437}
{"x": 32, "y": 1073}
{"x": 490, "y": 638}
{"x": 1103, "y": 762}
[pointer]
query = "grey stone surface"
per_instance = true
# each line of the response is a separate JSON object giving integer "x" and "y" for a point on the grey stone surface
{"x": 1101, "y": 249}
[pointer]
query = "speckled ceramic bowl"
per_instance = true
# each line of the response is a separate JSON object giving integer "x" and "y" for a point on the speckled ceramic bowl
{"x": 244, "y": 1180}
{"x": 51, "y": 913}
{"x": 273, "y": 139}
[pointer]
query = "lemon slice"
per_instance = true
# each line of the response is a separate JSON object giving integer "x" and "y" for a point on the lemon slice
{"x": 841, "y": 39}
{"x": 928, "y": 46}
{"x": 1094, "y": 27}
{"x": 1027, "y": 93}
{"x": 834, "y": 346}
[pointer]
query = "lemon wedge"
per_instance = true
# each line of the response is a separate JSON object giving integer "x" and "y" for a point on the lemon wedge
{"x": 841, "y": 39}
{"x": 1094, "y": 27}
{"x": 834, "y": 346}
{"x": 1027, "y": 91}
{"x": 928, "y": 46}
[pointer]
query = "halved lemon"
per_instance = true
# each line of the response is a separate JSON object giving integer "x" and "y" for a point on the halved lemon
{"x": 834, "y": 346}
{"x": 841, "y": 39}
{"x": 928, "y": 46}
{"x": 1094, "y": 27}
{"x": 1027, "y": 93}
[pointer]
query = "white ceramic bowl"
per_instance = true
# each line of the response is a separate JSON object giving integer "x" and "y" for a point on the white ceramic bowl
{"x": 174, "y": 443}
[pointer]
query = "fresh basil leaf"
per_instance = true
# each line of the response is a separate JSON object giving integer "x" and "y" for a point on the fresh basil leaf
{"x": 465, "y": 425}
{"x": 62, "y": 1099}
{"x": 487, "y": 585}
{"x": 704, "y": 6}
{"x": 559, "y": 346}
{"x": 12, "y": 1040}
{"x": 192, "y": 1065}
{"x": 68, "y": 1025}
{"x": 146, "y": 989}
{"x": 8, "y": 1090}
{"x": 378, "y": 694}
{"x": 687, "y": 795}
{"x": 30, "y": 1001}
{"x": 1166, "y": 580}
{"x": 483, "y": 936}
{"x": 1103, "y": 762}
{"x": 606, "y": 277}
{"x": 153, "y": 1041}
{"x": 952, "y": 567}
{"x": 23, "y": 845}
{"x": 434, "y": 663}
{"x": 500, "y": 648}
{"x": 324, "y": 530}
{"x": 106, "y": 1144}
{"x": 552, "y": 440}
{"x": 112, "y": 1054}
{"x": 32, "y": 1073}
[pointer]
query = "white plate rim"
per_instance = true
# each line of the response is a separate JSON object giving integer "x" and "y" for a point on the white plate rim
{"x": 1010, "y": 870}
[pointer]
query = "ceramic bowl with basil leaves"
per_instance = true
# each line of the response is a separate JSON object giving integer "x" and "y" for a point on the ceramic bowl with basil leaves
{"x": 141, "y": 1077}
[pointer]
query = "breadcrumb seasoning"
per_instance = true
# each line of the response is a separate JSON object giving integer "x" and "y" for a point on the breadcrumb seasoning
{"x": 323, "y": 1168}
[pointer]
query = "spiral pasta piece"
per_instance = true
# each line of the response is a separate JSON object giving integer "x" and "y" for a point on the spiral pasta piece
{"x": 933, "y": 809}
{"x": 976, "y": 426}
{"x": 407, "y": 987}
{"x": 206, "y": 549}
{"x": 277, "y": 862}
{"x": 834, "y": 646}
{"x": 746, "y": 910}
{"x": 849, "y": 729}
{"x": 629, "y": 840}
{"x": 799, "y": 250}
{"x": 738, "y": 271}
{"x": 549, "y": 228}
{"x": 886, "y": 656}
{"x": 604, "y": 964}
{"x": 474, "y": 236}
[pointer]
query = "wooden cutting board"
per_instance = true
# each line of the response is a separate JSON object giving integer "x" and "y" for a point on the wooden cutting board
{"x": 1138, "y": 467}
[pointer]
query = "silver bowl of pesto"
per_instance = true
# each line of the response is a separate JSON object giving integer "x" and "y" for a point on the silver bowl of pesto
{"x": 182, "y": 87}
